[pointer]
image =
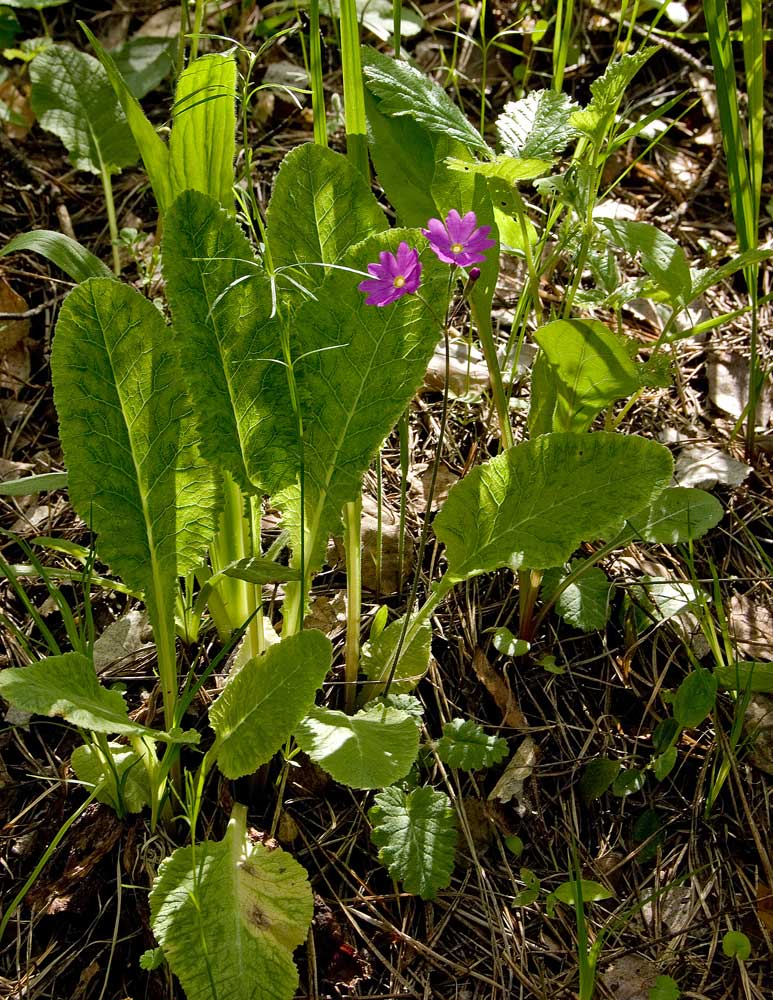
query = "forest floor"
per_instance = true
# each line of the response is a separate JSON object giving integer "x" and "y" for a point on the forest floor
{"x": 679, "y": 874}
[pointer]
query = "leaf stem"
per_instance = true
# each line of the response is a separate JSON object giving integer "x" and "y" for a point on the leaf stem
{"x": 112, "y": 222}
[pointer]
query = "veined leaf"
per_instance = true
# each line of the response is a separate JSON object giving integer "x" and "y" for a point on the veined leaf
{"x": 537, "y": 126}
{"x": 202, "y": 146}
{"x": 256, "y": 569}
{"x": 320, "y": 207}
{"x": 265, "y": 700}
{"x": 72, "y": 98}
{"x": 585, "y": 602}
{"x": 679, "y": 514}
{"x": 229, "y": 345}
{"x": 134, "y": 470}
{"x": 608, "y": 91}
{"x": 376, "y": 660}
{"x": 532, "y": 505}
{"x": 371, "y": 749}
{"x": 416, "y": 836}
{"x": 145, "y": 62}
{"x": 67, "y": 687}
{"x": 504, "y": 168}
{"x": 125, "y": 776}
{"x": 403, "y": 90}
{"x": 464, "y": 744}
{"x": 75, "y": 260}
{"x": 746, "y": 676}
{"x": 228, "y": 915}
{"x": 590, "y": 369}
{"x": 661, "y": 256}
{"x": 706, "y": 277}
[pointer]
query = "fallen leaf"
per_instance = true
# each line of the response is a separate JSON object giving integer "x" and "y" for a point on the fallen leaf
{"x": 327, "y": 615}
{"x": 750, "y": 623}
{"x": 21, "y": 117}
{"x": 421, "y": 479}
{"x": 162, "y": 24}
{"x": 499, "y": 691}
{"x": 630, "y": 978}
{"x": 704, "y": 467}
{"x": 14, "y": 355}
{"x": 518, "y": 770}
{"x": 728, "y": 374}
{"x": 389, "y": 582}
{"x": 758, "y": 730}
{"x": 467, "y": 371}
{"x": 123, "y": 642}
{"x": 765, "y": 905}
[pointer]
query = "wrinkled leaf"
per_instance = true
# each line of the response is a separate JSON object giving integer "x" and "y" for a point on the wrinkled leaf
{"x": 377, "y": 656}
{"x": 537, "y": 126}
{"x": 126, "y": 777}
{"x": 679, "y": 514}
{"x": 464, "y": 744}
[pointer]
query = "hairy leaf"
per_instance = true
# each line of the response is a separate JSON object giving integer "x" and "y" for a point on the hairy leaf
{"x": 75, "y": 260}
{"x": 265, "y": 700}
{"x": 585, "y": 602}
{"x": 503, "y": 168}
{"x": 371, "y": 749}
{"x": 125, "y": 776}
{"x": 130, "y": 446}
{"x": 589, "y": 368}
{"x": 538, "y": 126}
{"x": 416, "y": 836}
{"x": 532, "y": 505}
{"x": 320, "y": 207}
{"x": 228, "y": 915}
{"x": 403, "y": 90}
{"x": 679, "y": 514}
{"x": 661, "y": 256}
{"x": 464, "y": 744}
{"x": 229, "y": 345}
{"x": 608, "y": 91}
{"x": 376, "y": 660}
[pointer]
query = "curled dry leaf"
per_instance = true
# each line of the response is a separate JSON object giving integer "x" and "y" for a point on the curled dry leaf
{"x": 728, "y": 374}
{"x": 14, "y": 356}
{"x": 750, "y": 623}
{"x": 518, "y": 770}
{"x": 499, "y": 690}
{"x": 704, "y": 467}
{"x": 389, "y": 582}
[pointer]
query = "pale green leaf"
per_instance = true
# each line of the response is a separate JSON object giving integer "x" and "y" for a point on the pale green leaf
{"x": 126, "y": 778}
{"x": 202, "y": 145}
{"x": 584, "y": 603}
{"x": 75, "y": 260}
{"x": 665, "y": 988}
{"x": 134, "y": 471}
{"x": 402, "y": 702}
{"x": 320, "y": 207}
{"x": 371, "y": 749}
{"x": 695, "y": 697}
{"x": 152, "y": 958}
{"x": 705, "y": 278}
{"x": 72, "y": 97}
{"x": 589, "y": 892}
{"x": 679, "y": 514}
{"x": 228, "y": 915}
{"x": 28, "y": 485}
{"x": 543, "y": 392}
{"x": 735, "y": 944}
{"x": 229, "y": 345}
{"x": 258, "y": 570}
{"x": 264, "y": 701}
{"x": 504, "y": 168}
{"x": 507, "y": 644}
{"x": 464, "y": 744}
{"x": 661, "y": 256}
{"x": 416, "y": 834}
{"x": 746, "y": 676}
{"x": 377, "y": 656}
{"x": 533, "y": 504}
{"x": 608, "y": 90}
{"x": 537, "y": 126}
{"x": 144, "y": 62}
{"x": 401, "y": 89}
{"x": 663, "y": 764}
{"x": 589, "y": 368}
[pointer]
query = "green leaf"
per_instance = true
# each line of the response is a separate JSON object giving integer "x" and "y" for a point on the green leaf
{"x": 661, "y": 256}
{"x": 507, "y": 644}
{"x": 202, "y": 146}
{"x": 590, "y": 368}
{"x": 144, "y": 62}
{"x": 533, "y": 504}
{"x": 746, "y": 676}
{"x": 589, "y": 892}
{"x": 72, "y": 97}
{"x": 543, "y": 395}
{"x": 735, "y": 944}
{"x": 257, "y": 570}
{"x": 705, "y": 278}
{"x": 537, "y": 126}
{"x": 695, "y": 698}
{"x": 228, "y": 915}
{"x": 663, "y": 764}
{"x": 402, "y": 89}
{"x": 403, "y": 703}
{"x": 504, "y": 168}
{"x": 608, "y": 90}
{"x": 377, "y": 655}
{"x": 598, "y": 777}
{"x": 134, "y": 471}
{"x": 29, "y": 485}
{"x": 665, "y": 988}
{"x": 464, "y": 744}
{"x": 264, "y": 701}
{"x": 33, "y": 4}
{"x": 9, "y": 27}
{"x": 627, "y": 782}
{"x": 584, "y": 603}
{"x": 152, "y": 958}
{"x": 679, "y": 514}
{"x": 229, "y": 345}
{"x": 371, "y": 749}
{"x": 76, "y": 261}
{"x": 320, "y": 207}
{"x": 127, "y": 788}
{"x": 416, "y": 836}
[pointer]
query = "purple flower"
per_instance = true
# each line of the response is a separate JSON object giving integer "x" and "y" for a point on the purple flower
{"x": 394, "y": 276}
{"x": 458, "y": 241}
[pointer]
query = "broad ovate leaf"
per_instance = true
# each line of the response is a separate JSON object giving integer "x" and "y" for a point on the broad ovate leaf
{"x": 695, "y": 697}
{"x": 589, "y": 367}
{"x": 538, "y": 126}
{"x": 466, "y": 745}
{"x": 661, "y": 256}
{"x": 228, "y": 915}
{"x": 229, "y": 345}
{"x": 135, "y": 474}
{"x": 679, "y": 514}
{"x": 320, "y": 207}
{"x": 377, "y": 657}
{"x": 583, "y": 603}
{"x": 72, "y": 97}
{"x": 264, "y": 701}
{"x": 416, "y": 834}
{"x": 126, "y": 786}
{"x": 533, "y": 504}
{"x": 371, "y": 749}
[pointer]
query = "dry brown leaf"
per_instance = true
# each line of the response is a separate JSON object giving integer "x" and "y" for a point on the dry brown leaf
{"x": 499, "y": 691}
{"x": 630, "y": 978}
{"x": 17, "y": 101}
{"x": 467, "y": 371}
{"x": 519, "y": 769}
{"x": 421, "y": 479}
{"x": 14, "y": 356}
{"x": 765, "y": 905}
{"x": 728, "y": 374}
{"x": 758, "y": 729}
{"x": 390, "y": 547}
{"x": 750, "y": 623}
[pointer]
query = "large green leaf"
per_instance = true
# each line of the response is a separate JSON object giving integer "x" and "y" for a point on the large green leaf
{"x": 228, "y": 915}
{"x": 75, "y": 260}
{"x": 746, "y": 675}
{"x": 144, "y": 62}
{"x": 416, "y": 836}
{"x": 584, "y": 603}
{"x": 377, "y": 656}
{"x": 202, "y": 145}
{"x": 401, "y": 89}
{"x": 532, "y": 505}
{"x": 131, "y": 450}
{"x": 371, "y": 749}
{"x": 320, "y": 207}
{"x": 679, "y": 514}
{"x": 537, "y": 126}
{"x": 661, "y": 256}
{"x": 229, "y": 345}
{"x": 125, "y": 777}
{"x": 72, "y": 97}
{"x": 589, "y": 367}
{"x": 361, "y": 366}
{"x": 265, "y": 700}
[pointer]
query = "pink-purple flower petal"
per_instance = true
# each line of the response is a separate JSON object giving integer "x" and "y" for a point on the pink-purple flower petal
{"x": 396, "y": 275}
{"x": 458, "y": 241}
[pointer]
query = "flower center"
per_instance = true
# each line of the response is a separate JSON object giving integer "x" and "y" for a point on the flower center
{"x": 399, "y": 281}
{"x": 456, "y": 248}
